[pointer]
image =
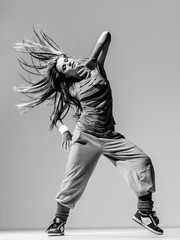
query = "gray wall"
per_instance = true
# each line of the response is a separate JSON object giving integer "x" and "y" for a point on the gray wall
{"x": 143, "y": 68}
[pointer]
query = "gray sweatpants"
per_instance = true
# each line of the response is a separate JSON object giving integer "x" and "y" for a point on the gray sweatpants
{"x": 133, "y": 164}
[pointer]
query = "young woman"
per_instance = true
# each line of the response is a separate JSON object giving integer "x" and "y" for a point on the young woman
{"x": 83, "y": 85}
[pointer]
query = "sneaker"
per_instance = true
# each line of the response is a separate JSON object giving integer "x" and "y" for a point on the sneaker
{"x": 148, "y": 220}
{"x": 56, "y": 228}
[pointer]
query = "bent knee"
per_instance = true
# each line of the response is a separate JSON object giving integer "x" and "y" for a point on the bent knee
{"x": 145, "y": 162}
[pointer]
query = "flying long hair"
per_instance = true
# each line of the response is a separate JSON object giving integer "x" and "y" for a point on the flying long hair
{"x": 47, "y": 85}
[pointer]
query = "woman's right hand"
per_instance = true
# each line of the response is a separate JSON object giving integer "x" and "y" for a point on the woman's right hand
{"x": 66, "y": 141}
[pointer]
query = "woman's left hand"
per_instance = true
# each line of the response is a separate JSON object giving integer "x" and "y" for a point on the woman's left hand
{"x": 84, "y": 71}
{"x": 87, "y": 67}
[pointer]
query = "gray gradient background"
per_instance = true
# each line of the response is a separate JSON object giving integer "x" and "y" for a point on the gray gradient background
{"x": 143, "y": 68}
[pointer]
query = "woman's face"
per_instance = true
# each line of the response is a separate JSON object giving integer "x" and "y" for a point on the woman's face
{"x": 68, "y": 66}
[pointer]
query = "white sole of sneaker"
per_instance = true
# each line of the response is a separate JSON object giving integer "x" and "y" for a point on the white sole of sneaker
{"x": 55, "y": 234}
{"x": 151, "y": 230}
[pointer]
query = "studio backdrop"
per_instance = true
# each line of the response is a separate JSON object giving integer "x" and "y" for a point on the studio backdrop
{"x": 143, "y": 66}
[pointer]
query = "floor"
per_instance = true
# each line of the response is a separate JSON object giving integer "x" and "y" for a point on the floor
{"x": 93, "y": 234}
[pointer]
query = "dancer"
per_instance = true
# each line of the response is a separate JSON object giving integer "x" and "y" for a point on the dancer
{"x": 83, "y": 85}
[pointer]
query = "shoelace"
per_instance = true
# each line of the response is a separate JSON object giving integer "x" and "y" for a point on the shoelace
{"x": 55, "y": 224}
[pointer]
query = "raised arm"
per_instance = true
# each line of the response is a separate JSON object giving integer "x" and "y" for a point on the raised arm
{"x": 98, "y": 55}
{"x": 101, "y": 48}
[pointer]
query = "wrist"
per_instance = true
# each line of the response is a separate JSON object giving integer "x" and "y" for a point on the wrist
{"x": 63, "y": 128}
